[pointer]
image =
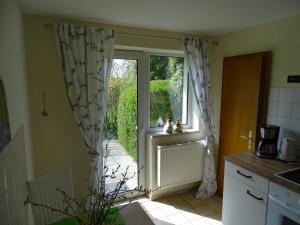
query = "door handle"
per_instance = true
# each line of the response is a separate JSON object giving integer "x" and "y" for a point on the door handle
{"x": 253, "y": 196}
{"x": 244, "y": 175}
{"x": 246, "y": 138}
{"x": 249, "y": 139}
{"x": 250, "y": 135}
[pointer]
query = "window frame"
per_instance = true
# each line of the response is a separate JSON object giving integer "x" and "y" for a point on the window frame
{"x": 141, "y": 97}
{"x": 187, "y": 90}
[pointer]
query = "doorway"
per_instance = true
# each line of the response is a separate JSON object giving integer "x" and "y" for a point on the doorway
{"x": 123, "y": 153}
{"x": 245, "y": 86}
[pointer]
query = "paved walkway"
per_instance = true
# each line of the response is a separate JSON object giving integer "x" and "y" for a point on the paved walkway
{"x": 115, "y": 156}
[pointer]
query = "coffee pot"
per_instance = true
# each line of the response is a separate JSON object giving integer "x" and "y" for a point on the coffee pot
{"x": 267, "y": 145}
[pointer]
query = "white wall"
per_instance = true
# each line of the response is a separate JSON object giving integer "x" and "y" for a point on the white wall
{"x": 284, "y": 111}
{"x": 15, "y": 163}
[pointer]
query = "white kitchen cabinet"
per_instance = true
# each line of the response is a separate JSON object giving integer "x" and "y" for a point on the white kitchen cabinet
{"x": 243, "y": 204}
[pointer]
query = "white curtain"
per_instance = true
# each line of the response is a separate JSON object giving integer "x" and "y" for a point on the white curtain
{"x": 197, "y": 54}
{"x": 86, "y": 55}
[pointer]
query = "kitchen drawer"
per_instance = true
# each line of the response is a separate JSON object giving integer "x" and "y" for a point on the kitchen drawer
{"x": 247, "y": 177}
{"x": 242, "y": 204}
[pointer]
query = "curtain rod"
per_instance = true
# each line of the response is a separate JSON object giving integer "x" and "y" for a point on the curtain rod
{"x": 49, "y": 26}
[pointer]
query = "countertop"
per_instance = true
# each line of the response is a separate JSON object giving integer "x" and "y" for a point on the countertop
{"x": 266, "y": 168}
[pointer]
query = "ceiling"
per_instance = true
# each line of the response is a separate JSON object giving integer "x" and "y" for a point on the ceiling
{"x": 202, "y": 16}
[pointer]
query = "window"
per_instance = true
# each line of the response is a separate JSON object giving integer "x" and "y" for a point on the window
{"x": 168, "y": 90}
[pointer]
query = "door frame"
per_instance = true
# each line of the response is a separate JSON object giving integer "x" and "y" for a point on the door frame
{"x": 265, "y": 75}
{"x": 141, "y": 109}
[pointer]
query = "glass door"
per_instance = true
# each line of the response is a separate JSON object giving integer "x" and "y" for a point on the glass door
{"x": 123, "y": 140}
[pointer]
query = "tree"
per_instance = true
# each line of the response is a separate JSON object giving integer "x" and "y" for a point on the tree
{"x": 158, "y": 67}
{"x": 176, "y": 71}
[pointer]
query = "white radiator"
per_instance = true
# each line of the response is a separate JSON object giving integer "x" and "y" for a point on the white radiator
{"x": 43, "y": 190}
{"x": 179, "y": 164}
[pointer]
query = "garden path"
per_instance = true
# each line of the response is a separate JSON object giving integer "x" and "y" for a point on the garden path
{"x": 116, "y": 155}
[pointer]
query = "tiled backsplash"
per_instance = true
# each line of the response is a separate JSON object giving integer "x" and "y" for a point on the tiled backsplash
{"x": 284, "y": 111}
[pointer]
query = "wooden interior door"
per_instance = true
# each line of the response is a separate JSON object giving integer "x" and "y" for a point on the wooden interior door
{"x": 245, "y": 85}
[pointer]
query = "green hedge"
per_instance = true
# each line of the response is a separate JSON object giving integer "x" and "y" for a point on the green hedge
{"x": 115, "y": 87}
{"x": 127, "y": 112}
{"x": 127, "y": 120}
{"x": 159, "y": 100}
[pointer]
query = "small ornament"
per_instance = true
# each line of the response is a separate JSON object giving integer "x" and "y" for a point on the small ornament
{"x": 160, "y": 122}
{"x": 177, "y": 127}
{"x": 168, "y": 128}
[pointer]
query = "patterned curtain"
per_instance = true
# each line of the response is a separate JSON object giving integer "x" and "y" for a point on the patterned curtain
{"x": 86, "y": 55}
{"x": 196, "y": 52}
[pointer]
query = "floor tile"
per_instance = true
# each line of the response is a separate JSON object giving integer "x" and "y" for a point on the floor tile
{"x": 216, "y": 207}
{"x": 175, "y": 199}
{"x": 216, "y": 216}
{"x": 182, "y": 205}
{"x": 178, "y": 219}
{"x": 201, "y": 221}
{"x": 169, "y": 210}
{"x": 184, "y": 209}
{"x": 191, "y": 216}
{"x": 187, "y": 196}
{"x": 163, "y": 201}
{"x": 157, "y": 213}
{"x": 214, "y": 221}
{"x": 151, "y": 205}
{"x": 162, "y": 221}
{"x": 204, "y": 211}
{"x": 196, "y": 203}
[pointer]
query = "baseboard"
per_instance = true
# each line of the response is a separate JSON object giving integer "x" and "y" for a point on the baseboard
{"x": 156, "y": 194}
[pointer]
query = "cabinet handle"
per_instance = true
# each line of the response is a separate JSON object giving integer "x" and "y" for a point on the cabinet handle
{"x": 253, "y": 196}
{"x": 244, "y": 175}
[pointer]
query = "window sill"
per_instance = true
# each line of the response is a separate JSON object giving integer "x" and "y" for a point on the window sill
{"x": 155, "y": 134}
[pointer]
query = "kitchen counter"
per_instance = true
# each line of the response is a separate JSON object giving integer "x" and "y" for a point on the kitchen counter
{"x": 266, "y": 168}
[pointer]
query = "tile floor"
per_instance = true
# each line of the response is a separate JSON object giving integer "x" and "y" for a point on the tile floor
{"x": 184, "y": 209}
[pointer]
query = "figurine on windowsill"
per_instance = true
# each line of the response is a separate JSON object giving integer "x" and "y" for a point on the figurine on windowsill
{"x": 168, "y": 128}
{"x": 160, "y": 123}
{"x": 177, "y": 127}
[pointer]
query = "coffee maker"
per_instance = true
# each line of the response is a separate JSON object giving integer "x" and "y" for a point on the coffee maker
{"x": 267, "y": 146}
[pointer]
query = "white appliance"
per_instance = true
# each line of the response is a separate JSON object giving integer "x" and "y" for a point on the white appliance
{"x": 283, "y": 206}
{"x": 287, "y": 151}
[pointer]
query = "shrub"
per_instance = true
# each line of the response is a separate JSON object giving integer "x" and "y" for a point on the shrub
{"x": 115, "y": 87}
{"x": 159, "y": 100}
{"x": 127, "y": 112}
{"x": 127, "y": 120}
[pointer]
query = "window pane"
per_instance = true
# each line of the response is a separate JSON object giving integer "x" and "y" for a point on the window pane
{"x": 168, "y": 90}
{"x": 120, "y": 143}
